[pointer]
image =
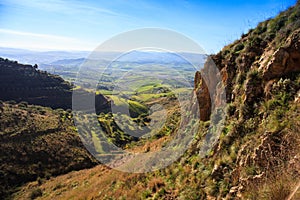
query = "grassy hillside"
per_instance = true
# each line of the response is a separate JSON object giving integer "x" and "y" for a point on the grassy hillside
{"x": 192, "y": 177}
{"x": 37, "y": 143}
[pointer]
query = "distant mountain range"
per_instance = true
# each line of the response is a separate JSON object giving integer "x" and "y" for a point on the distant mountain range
{"x": 78, "y": 57}
{"x": 39, "y": 57}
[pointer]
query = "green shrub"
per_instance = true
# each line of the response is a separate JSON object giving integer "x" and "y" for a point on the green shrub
{"x": 239, "y": 47}
{"x": 136, "y": 108}
{"x": 36, "y": 193}
{"x": 231, "y": 109}
{"x": 251, "y": 170}
{"x": 255, "y": 41}
{"x": 211, "y": 188}
{"x": 23, "y": 104}
{"x": 261, "y": 29}
{"x": 276, "y": 24}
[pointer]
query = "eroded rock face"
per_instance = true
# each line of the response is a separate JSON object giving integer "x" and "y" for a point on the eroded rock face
{"x": 284, "y": 60}
{"x": 209, "y": 89}
{"x": 203, "y": 97}
{"x": 274, "y": 64}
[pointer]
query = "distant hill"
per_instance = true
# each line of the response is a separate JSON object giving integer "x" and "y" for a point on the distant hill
{"x": 77, "y": 61}
{"x": 161, "y": 57}
{"x": 20, "y": 82}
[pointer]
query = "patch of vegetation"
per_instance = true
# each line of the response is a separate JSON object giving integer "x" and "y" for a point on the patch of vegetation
{"x": 37, "y": 142}
{"x": 36, "y": 193}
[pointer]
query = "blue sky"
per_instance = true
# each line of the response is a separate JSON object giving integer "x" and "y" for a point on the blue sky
{"x": 83, "y": 25}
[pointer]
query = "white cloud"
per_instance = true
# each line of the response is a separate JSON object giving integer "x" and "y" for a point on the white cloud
{"x": 28, "y": 40}
{"x": 44, "y": 36}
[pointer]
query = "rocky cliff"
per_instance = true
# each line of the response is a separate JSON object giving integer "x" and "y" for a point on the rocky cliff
{"x": 272, "y": 50}
{"x": 261, "y": 76}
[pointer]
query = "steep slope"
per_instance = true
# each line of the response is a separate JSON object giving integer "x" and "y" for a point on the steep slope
{"x": 257, "y": 154}
{"x": 37, "y": 142}
{"x": 261, "y": 75}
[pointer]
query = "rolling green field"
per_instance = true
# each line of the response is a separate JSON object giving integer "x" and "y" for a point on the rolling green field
{"x": 134, "y": 89}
